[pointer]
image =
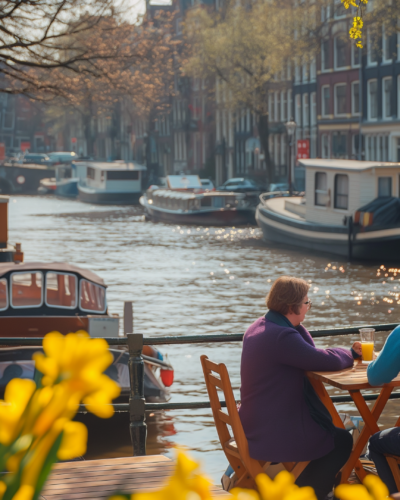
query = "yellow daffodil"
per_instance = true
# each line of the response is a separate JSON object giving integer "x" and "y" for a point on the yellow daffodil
{"x": 372, "y": 488}
{"x": 26, "y": 492}
{"x": 183, "y": 484}
{"x": 243, "y": 494}
{"x": 16, "y": 398}
{"x": 77, "y": 362}
{"x": 74, "y": 439}
{"x": 276, "y": 489}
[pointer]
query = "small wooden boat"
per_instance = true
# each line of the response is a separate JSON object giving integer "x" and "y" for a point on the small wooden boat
{"x": 47, "y": 185}
{"x": 114, "y": 183}
{"x": 329, "y": 217}
{"x": 37, "y": 298}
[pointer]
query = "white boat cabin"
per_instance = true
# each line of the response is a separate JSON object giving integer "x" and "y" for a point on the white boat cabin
{"x": 337, "y": 188}
{"x": 111, "y": 176}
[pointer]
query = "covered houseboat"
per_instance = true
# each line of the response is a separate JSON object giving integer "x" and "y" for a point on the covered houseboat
{"x": 351, "y": 208}
{"x": 185, "y": 201}
{"x": 113, "y": 183}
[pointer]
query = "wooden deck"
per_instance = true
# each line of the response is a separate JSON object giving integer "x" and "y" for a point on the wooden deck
{"x": 97, "y": 479}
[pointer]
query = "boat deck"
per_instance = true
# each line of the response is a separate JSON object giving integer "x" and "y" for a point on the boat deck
{"x": 97, "y": 479}
{"x": 280, "y": 206}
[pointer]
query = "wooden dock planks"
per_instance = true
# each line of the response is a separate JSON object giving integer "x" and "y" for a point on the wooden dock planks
{"x": 98, "y": 479}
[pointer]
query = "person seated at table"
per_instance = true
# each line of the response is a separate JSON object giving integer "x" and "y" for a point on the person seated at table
{"x": 283, "y": 418}
{"x": 380, "y": 371}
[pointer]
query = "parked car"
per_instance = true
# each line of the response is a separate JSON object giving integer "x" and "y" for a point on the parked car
{"x": 207, "y": 184}
{"x": 240, "y": 185}
{"x": 37, "y": 158}
{"x": 62, "y": 157}
{"x": 282, "y": 186}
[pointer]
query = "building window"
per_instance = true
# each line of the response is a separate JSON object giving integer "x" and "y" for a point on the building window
{"x": 325, "y": 55}
{"x": 340, "y": 52}
{"x": 325, "y": 96}
{"x": 325, "y": 146}
{"x": 290, "y": 105}
{"x": 306, "y": 110}
{"x": 321, "y": 189}
{"x": 386, "y": 95}
{"x": 271, "y": 106}
{"x": 340, "y": 99}
{"x": 313, "y": 70}
{"x": 386, "y": 48}
{"x": 372, "y": 99}
{"x": 277, "y": 106}
{"x": 313, "y": 109}
{"x": 305, "y": 73}
{"x": 339, "y": 9}
{"x": 355, "y": 98}
{"x": 283, "y": 105}
{"x": 355, "y": 56}
{"x": 384, "y": 186}
{"x": 372, "y": 52}
{"x": 298, "y": 110}
{"x": 342, "y": 191}
{"x": 339, "y": 145}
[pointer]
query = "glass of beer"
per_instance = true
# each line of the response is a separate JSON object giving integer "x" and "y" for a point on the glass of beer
{"x": 367, "y": 343}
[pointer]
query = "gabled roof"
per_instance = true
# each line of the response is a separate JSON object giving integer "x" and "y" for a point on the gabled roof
{"x": 354, "y": 165}
{"x": 63, "y": 267}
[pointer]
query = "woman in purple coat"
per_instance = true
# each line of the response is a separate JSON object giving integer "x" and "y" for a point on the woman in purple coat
{"x": 283, "y": 418}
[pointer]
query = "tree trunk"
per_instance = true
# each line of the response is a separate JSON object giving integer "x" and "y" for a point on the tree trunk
{"x": 87, "y": 129}
{"x": 263, "y": 131}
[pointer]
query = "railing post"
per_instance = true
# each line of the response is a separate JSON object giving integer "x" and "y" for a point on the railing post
{"x": 137, "y": 426}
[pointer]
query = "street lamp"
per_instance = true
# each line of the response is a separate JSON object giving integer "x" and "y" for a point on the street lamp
{"x": 290, "y": 128}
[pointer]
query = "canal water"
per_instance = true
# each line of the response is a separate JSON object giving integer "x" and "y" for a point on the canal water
{"x": 195, "y": 280}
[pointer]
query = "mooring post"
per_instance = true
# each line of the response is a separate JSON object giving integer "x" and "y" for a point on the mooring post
{"x": 138, "y": 428}
{"x": 128, "y": 317}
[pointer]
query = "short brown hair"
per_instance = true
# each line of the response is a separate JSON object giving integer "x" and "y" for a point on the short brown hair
{"x": 287, "y": 294}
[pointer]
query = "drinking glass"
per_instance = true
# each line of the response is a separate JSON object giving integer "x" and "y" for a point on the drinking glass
{"x": 367, "y": 343}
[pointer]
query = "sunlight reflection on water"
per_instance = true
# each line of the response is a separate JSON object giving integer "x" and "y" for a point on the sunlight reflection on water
{"x": 195, "y": 280}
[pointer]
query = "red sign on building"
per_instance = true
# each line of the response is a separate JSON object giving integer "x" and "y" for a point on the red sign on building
{"x": 2, "y": 151}
{"x": 73, "y": 140}
{"x": 303, "y": 149}
{"x": 25, "y": 146}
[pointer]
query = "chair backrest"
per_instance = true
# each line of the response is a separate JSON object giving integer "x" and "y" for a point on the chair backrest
{"x": 217, "y": 378}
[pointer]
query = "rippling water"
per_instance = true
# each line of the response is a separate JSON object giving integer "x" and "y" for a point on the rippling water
{"x": 195, "y": 280}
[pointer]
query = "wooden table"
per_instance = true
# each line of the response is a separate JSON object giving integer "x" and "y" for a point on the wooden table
{"x": 97, "y": 479}
{"x": 354, "y": 380}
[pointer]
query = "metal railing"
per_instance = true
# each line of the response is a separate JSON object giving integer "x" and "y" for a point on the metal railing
{"x": 137, "y": 405}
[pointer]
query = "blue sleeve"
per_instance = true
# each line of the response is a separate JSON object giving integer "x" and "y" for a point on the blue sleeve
{"x": 387, "y": 365}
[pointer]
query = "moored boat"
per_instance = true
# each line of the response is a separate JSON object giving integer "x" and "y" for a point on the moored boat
{"x": 328, "y": 218}
{"x": 186, "y": 201}
{"x": 114, "y": 183}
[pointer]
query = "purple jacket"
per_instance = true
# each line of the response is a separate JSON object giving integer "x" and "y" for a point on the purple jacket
{"x": 274, "y": 412}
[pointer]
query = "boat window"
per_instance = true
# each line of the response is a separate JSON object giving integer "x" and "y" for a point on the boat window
{"x": 90, "y": 173}
{"x": 206, "y": 201}
{"x": 26, "y": 289}
{"x": 3, "y": 294}
{"x": 321, "y": 189}
{"x": 218, "y": 201}
{"x": 122, "y": 175}
{"x": 342, "y": 191}
{"x": 92, "y": 297}
{"x": 61, "y": 290}
{"x": 384, "y": 186}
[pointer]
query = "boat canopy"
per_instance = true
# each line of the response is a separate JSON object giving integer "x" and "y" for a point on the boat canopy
{"x": 184, "y": 182}
{"x": 63, "y": 267}
{"x": 382, "y": 211}
{"x": 352, "y": 165}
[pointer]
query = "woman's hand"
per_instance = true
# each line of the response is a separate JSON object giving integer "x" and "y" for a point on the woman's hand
{"x": 357, "y": 348}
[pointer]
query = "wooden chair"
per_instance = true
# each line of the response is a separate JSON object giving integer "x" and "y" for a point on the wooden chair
{"x": 394, "y": 462}
{"x": 235, "y": 447}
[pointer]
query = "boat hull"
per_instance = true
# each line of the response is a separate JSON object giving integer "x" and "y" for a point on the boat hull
{"x": 371, "y": 243}
{"x": 67, "y": 188}
{"x": 217, "y": 217}
{"x": 107, "y": 198}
